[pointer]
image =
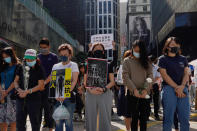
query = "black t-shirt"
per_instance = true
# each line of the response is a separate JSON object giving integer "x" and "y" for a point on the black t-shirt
{"x": 35, "y": 74}
{"x": 174, "y": 67}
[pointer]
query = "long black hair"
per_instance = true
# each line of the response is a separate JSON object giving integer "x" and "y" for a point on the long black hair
{"x": 144, "y": 61}
{"x": 11, "y": 53}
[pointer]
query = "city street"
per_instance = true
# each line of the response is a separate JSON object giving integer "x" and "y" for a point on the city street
{"x": 118, "y": 124}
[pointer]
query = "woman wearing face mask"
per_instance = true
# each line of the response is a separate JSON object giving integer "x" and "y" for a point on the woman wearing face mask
{"x": 99, "y": 100}
{"x": 28, "y": 82}
{"x": 8, "y": 103}
{"x": 66, "y": 53}
{"x": 136, "y": 69}
{"x": 174, "y": 71}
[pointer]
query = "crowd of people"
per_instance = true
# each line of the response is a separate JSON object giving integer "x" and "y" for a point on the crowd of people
{"x": 167, "y": 82}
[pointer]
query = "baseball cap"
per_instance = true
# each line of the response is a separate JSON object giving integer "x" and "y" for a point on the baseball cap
{"x": 30, "y": 54}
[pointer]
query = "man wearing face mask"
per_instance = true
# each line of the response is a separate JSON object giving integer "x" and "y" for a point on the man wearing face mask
{"x": 48, "y": 59}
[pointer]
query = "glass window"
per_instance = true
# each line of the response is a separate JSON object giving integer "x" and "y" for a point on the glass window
{"x": 109, "y": 6}
{"x": 109, "y": 21}
{"x": 133, "y": 1}
{"x": 133, "y": 9}
{"x": 100, "y": 32}
{"x": 92, "y": 22}
{"x": 114, "y": 22}
{"x": 109, "y": 31}
{"x": 92, "y": 8}
{"x": 144, "y": 8}
{"x": 105, "y": 7}
{"x": 88, "y": 8}
{"x": 92, "y": 32}
{"x": 100, "y": 21}
{"x": 105, "y": 21}
{"x": 100, "y": 7}
{"x": 88, "y": 22}
{"x": 145, "y": 1}
{"x": 114, "y": 10}
{"x": 88, "y": 36}
{"x": 105, "y": 31}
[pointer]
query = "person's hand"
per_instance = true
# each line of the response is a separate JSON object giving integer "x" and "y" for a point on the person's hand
{"x": 90, "y": 46}
{"x": 96, "y": 91}
{"x": 179, "y": 91}
{"x": 114, "y": 45}
{"x": 4, "y": 93}
{"x": 80, "y": 90}
{"x": 144, "y": 93}
{"x": 136, "y": 93}
{"x": 60, "y": 99}
{"x": 22, "y": 93}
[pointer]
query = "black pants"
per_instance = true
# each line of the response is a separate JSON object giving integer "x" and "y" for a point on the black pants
{"x": 48, "y": 111}
{"x": 139, "y": 112}
{"x": 156, "y": 99}
{"x": 24, "y": 108}
{"x": 79, "y": 104}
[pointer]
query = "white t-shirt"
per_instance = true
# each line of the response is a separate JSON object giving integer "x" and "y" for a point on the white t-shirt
{"x": 71, "y": 65}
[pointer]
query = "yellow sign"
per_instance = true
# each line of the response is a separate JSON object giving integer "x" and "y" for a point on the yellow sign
{"x": 67, "y": 86}
{"x": 53, "y": 79}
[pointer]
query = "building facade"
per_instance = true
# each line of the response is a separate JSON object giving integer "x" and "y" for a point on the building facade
{"x": 101, "y": 17}
{"x": 24, "y": 22}
{"x": 139, "y": 22}
{"x": 71, "y": 14}
{"x": 175, "y": 18}
{"x": 123, "y": 28}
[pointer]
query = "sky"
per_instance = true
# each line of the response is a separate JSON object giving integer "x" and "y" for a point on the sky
{"x": 123, "y": 0}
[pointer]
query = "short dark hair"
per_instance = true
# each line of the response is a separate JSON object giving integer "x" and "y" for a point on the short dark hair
{"x": 44, "y": 41}
{"x": 66, "y": 46}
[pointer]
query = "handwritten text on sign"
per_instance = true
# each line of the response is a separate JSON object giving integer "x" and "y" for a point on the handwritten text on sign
{"x": 105, "y": 39}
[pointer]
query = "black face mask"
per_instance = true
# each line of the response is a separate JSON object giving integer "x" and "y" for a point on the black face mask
{"x": 98, "y": 54}
{"x": 174, "y": 50}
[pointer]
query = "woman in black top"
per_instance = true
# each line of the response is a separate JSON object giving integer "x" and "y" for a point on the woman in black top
{"x": 28, "y": 82}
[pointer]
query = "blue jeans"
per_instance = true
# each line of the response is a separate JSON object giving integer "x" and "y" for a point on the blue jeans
{"x": 68, "y": 123}
{"x": 170, "y": 103}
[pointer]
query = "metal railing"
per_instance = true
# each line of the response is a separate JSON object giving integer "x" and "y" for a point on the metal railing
{"x": 41, "y": 13}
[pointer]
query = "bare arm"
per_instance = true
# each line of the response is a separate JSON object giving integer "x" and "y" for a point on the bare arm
{"x": 74, "y": 79}
{"x": 185, "y": 77}
{"x": 112, "y": 82}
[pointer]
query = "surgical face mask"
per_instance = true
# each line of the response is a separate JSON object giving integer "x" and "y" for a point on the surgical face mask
{"x": 31, "y": 64}
{"x": 64, "y": 58}
{"x": 174, "y": 50}
{"x": 137, "y": 55}
{"x": 8, "y": 60}
{"x": 44, "y": 50}
{"x": 98, "y": 54}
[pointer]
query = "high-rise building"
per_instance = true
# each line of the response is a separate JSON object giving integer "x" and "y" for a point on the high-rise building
{"x": 175, "y": 18}
{"x": 71, "y": 14}
{"x": 139, "y": 22}
{"x": 123, "y": 28}
{"x": 101, "y": 17}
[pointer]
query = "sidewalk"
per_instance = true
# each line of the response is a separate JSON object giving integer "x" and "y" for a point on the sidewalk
{"x": 118, "y": 124}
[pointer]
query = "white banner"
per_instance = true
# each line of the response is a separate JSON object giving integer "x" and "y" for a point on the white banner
{"x": 105, "y": 39}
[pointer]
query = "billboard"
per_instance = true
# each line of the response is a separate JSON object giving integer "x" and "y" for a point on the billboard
{"x": 140, "y": 29}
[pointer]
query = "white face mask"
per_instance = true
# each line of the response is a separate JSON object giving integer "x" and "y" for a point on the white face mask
{"x": 137, "y": 55}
